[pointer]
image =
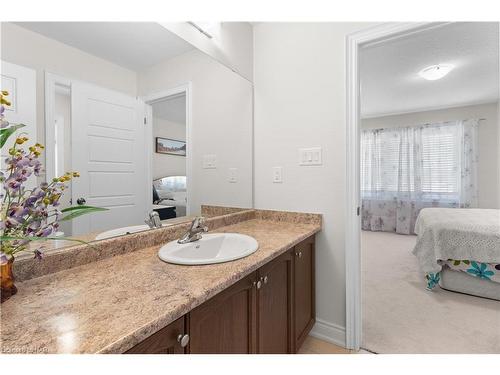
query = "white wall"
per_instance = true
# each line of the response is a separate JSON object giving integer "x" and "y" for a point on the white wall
{"x": 489, "y": 165}
{"x": 24, "y": 47}
{"x": 232, "y": 43}
{"x": 164, "y": 164}
{"x": 221, "y": 124}
{"x": 299, "y": 78}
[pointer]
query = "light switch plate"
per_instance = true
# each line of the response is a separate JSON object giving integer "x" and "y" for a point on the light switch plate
{"x": 209, "y": 161}
{"x": 233, "y": 175}
{"x": 277, "y": 175}
{"x": 310, "y": 156}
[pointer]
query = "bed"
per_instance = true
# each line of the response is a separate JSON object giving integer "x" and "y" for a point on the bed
{"x": 171, "y": 191}
{"x": 459, "y": 249}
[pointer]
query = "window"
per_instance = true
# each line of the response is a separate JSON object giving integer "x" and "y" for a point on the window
{"x": 413, "y": 161}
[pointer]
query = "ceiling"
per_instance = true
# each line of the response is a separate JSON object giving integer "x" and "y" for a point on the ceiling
{"x": 133, "y": 45}
{"x": 390, "y": 83}
{"x": 171, "y": 109}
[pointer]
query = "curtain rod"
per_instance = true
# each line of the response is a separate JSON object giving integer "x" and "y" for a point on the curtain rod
{"x": 444, "y": 122}
{"x": 424, "y": 124}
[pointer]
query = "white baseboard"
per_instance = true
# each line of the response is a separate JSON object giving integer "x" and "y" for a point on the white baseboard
{"x": 329, "y": 332}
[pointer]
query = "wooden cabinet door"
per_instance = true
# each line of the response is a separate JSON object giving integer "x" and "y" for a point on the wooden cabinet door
{"x": 274, "y": 306}
{"x": 165, "y": 341}
{"x": 225, "y": 324}
{"x": 304, "y": 290}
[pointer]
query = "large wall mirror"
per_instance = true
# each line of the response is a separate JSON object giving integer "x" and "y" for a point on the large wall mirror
{"x": 152, "y": 124}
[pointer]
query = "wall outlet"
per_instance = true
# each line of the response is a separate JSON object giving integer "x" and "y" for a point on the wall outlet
{"x": 310, "y": 156}
{"x": 277, "y": 175}
{"x": 233, "y": 175}
{"x": 209, "y": 161}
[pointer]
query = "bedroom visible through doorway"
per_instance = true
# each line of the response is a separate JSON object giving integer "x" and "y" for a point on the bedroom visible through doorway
{"x": 169, "y": 156}
{"x": 429, "y": 174}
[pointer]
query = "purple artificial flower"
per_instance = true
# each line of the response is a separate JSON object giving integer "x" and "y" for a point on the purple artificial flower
{"x": 12, "y": 185}
{"x": 37, "y": 169}
{"x": 34, "y": 226}
{"x": 11, "y": 222}
{"x": 3, "y": 123}
{"x": 38, "y": 254}
{"x": 3, "y": 258}
{"x": 45, "y": 231}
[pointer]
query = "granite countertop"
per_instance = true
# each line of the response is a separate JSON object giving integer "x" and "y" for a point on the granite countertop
{"x": 110, "y": 305}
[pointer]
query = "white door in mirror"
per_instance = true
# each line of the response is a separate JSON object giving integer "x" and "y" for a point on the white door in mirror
{"x": 212, "y": 248}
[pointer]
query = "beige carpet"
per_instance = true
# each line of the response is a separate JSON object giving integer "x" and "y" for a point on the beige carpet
{"x": 401, "y": 316}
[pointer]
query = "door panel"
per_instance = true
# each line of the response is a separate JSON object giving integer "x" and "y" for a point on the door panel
{"x": 110, "y": 154}
{"x": 274, "y": 306}
{"x": 226, "y": 323}
{"x": 304, "y": 290}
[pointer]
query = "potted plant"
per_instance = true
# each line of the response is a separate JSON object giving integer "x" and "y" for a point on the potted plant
{"x": 27, "y": 215}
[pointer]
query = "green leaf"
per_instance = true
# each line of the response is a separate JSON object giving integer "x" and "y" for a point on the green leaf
{"x": 77, "y": 211}
{"x": 5, "y": 133}
{"x": 75, "y": 208}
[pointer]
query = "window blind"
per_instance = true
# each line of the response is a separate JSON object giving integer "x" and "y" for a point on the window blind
{"x": 423, "y": 159}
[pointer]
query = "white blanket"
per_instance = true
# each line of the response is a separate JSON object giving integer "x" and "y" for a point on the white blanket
{"x": 455, "y": 233}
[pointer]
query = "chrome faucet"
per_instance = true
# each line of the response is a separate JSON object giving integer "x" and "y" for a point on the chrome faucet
{"x": 194, "y": 232}
{"x": 153, "y": 220}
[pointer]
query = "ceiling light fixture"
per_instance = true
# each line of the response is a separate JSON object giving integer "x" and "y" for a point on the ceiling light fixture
{"x": 434, "y": 72}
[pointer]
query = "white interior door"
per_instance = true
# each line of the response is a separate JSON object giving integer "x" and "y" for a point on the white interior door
{"x": 108, "y": 149}
{"x": 20, "y": 82}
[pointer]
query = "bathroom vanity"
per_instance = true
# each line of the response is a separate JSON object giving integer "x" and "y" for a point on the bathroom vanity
{"x": 118, "y": 296}
{"x": 269, "y": 311}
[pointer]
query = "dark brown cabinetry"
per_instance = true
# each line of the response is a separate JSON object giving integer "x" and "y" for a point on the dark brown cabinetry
{"x": 304, "y": 289}
{"x": 226, "y": 322}
{"x": 269, "y": 311}
{"x": 169, "y": 340}
{"x": 274, "y": 306}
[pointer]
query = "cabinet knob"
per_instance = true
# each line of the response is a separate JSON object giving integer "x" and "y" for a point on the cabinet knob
{"x": 265, "y": 279}
{"x": 81, "y": 201}
{"x": 299, "y": 254}
{"x": 183, "y": 340}
{"x": 259, "y": 284}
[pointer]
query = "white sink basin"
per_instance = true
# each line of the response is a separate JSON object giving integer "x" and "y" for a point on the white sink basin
{"x": 212, "y": 248}
{"x": 121, "y": 231}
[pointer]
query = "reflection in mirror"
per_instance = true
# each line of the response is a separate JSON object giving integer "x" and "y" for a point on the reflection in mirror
{"x": 169, "y": 157}
{"x": 60, "y": 149}
{"x": 161, "y": 128}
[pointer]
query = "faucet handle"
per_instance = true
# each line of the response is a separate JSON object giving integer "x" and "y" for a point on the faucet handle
{"x": 198, "y": 221}
{"x": 201, "y": 224}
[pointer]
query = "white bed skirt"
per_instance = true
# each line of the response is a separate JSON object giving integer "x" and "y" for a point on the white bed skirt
{"x": 461, "y": 282}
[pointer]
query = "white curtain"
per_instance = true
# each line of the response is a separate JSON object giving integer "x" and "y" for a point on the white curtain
{"x": 406, "y": 169}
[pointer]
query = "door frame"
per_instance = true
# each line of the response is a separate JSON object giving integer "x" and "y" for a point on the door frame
{"x": 149, "y": 99}
{"x": 51, "y": 80}
{"x": 354, "y": 41}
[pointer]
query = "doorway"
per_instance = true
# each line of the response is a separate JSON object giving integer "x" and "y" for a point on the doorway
{"x": 403, "y": 145}
{"x": 354, "y": 42}
{"x": 169, "y": 174}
